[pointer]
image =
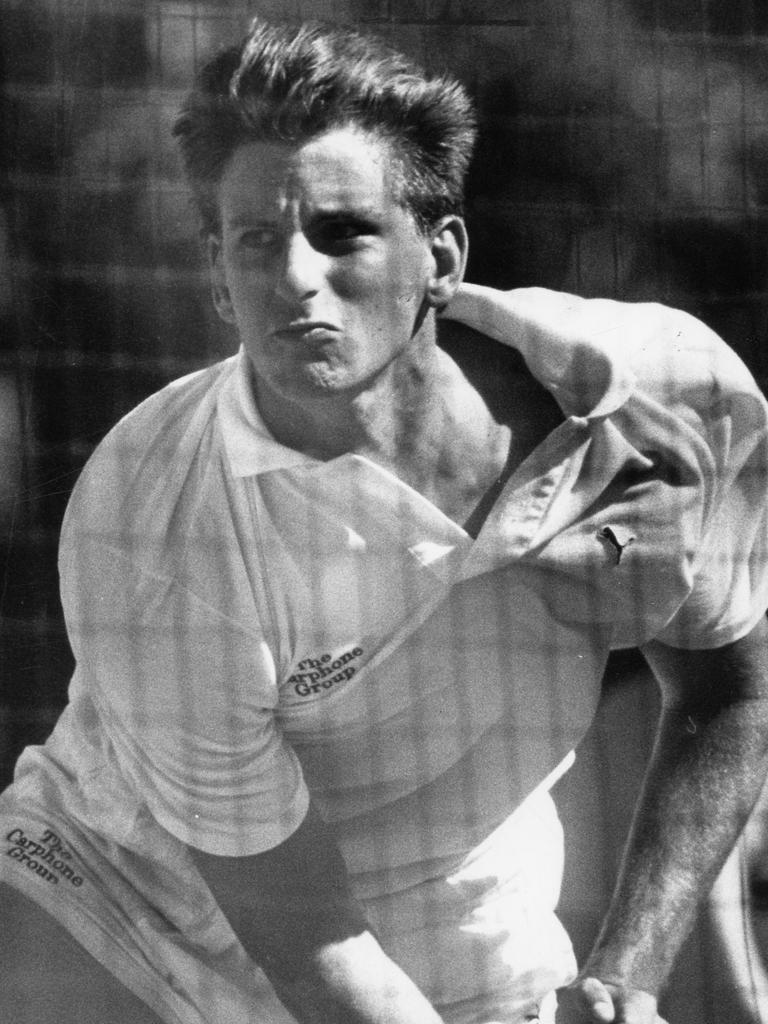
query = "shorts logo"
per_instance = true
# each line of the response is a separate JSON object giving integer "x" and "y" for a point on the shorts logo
{"x": 317, "y": 674}
{"x": 48, "y": 856}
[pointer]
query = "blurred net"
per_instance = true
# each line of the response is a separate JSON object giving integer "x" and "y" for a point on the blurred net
{"x": 624, "y": 153}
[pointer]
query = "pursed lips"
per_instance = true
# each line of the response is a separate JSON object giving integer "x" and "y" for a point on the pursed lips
{"x": 316, "y": 331}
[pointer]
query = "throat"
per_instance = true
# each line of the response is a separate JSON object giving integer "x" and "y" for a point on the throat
{"x": 465, "y": 478}
{"x": 388, "y": 417}
{"x": 474, "y": 522}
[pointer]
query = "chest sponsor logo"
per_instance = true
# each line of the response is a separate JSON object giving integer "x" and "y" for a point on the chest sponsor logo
{"x": 315, "y": 675}
{"x": 48, "y": 856}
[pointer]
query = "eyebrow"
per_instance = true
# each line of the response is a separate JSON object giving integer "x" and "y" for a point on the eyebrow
{"x": 364, "y": 211}
{"x": 361, "y": 210}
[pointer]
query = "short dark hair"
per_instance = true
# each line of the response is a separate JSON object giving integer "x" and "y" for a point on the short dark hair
{"x": 292, "y": 83}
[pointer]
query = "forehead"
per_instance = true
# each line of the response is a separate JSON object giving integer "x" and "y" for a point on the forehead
{"x": 342, "y": 167}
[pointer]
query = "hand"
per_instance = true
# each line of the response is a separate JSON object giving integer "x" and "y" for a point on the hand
{"x": 590, "y": 1001}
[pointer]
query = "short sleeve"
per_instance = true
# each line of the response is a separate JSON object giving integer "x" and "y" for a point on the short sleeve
{"x": 186, "y": 694}
{"x": 729, "y": 562}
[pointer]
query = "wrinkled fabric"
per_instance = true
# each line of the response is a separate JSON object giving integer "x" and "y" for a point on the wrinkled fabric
{"x": 252, "y": 626}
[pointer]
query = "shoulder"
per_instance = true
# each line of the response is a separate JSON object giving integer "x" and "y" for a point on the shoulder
{"x": 593, "y": 354}
{"x": 173, "y": 408}
{"x": 141, "y": 461}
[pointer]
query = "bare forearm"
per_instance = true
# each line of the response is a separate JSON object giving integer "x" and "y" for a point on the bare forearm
{"x": 294, "y": 913}
{"x": 707, "y": 772}
{"x": 327, "y": 968}
{"x": 353, "y": 982}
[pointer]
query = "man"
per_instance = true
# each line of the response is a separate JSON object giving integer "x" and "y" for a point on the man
{"x": 341, "y": 604}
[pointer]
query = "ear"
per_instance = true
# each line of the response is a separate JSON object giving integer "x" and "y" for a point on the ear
{"x": 221, "y": 297}
{"x": 449, "y": 246}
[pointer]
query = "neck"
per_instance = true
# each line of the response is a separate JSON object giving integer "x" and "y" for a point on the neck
{"x": 421, "y": 419}
{"x": 392, "y": 416}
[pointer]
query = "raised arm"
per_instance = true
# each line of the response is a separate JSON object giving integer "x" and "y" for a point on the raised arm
{"x": 292, "y": 909}
{"x": 706, "y": 772}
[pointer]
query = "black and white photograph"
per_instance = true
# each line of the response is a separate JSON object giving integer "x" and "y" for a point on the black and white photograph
{"x": 383, "y": 511}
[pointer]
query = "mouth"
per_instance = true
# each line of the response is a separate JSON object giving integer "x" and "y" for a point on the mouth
{"x": 315, "y": 332}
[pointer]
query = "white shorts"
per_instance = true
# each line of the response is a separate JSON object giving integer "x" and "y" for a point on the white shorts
{"x": 79, "y": 879}
{"x": 188, "y": 967}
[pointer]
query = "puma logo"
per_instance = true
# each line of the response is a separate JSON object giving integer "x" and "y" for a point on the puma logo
{"x": 618, "y": 538}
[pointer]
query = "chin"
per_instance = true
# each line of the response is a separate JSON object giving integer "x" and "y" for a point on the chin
{"x": 314, "y": 383}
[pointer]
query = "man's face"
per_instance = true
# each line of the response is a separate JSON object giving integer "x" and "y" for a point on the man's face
{"x": 318, "y": 265}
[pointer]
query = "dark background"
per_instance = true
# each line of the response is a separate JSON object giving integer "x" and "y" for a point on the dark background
{"x": 624, "y": 153}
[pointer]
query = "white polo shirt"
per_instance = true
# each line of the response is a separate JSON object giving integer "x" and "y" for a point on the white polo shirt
{"x": 251, "y": 625}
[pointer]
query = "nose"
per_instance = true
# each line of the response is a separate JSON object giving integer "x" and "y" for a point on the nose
{"x": 301, "y": 272}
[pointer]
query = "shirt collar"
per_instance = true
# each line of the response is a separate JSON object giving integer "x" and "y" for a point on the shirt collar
{"x": 250, "y": 447}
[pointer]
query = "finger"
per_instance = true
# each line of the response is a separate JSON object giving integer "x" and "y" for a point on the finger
{"x": 586, "y": 1001}
{"x": 598, "y": 998}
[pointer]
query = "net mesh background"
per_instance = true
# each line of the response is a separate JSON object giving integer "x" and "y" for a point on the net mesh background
{"x": 624, "y": 153}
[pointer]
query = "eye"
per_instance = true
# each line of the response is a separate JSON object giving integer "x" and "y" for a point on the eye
{"x": 258, "y": 239}
{"x": 338, "y": 235}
